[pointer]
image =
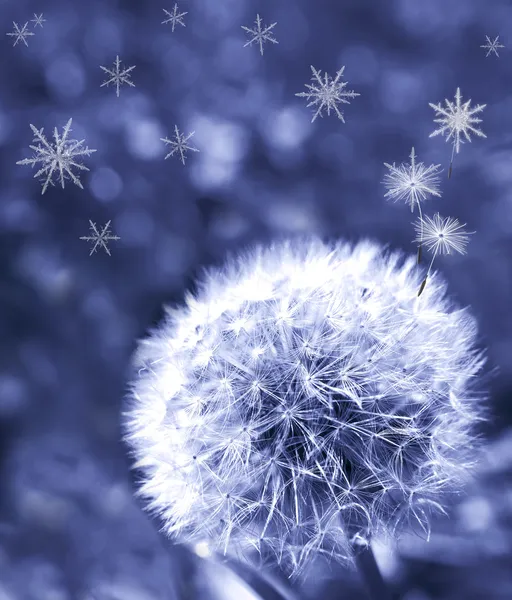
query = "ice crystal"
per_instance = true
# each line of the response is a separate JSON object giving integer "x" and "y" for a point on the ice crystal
{"x": 100, "y": 238}
{"x": 38, "y": 20}
{"x": 179, "y": 144}
{"x": 118, "y": 76}
{"x": 20, "y": 35}
{"x": 259, "y": 34}
{"x": 175, "y": 17}
{"x": 59, "y": 158}
{"x": 457, "y": 119}
{"x": 411, "y": 183}
{"x": 303, "y": 399}
{"x": 492, "y": 46}
{"x": 327, "y": 93}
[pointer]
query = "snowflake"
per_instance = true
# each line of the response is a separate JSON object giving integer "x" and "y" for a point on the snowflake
{"x": 38, "y": 20}
{"x": 179, "y": 144}
{"x": 260, "y": 35}
{"x": 441, "y": 236}
{"x": 118, "y": 76}
{"x": 327, "y": 93}
{"x": 411, "y": 182}
{"x": 456, "y": 119}
{"x": 58, "y": 157}
{"x": 492, "y": 46}
{"x": 20, "y": 34}
{"x": 174, "y": 17}
{"x": 101, "y": 238}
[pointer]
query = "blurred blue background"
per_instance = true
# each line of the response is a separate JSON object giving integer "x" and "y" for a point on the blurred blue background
{"x": 69, "y": 525}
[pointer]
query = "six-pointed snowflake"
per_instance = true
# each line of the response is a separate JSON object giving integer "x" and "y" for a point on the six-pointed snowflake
{"x": 456, "y": 119}
{"x": 118, "y": 76}
{"x": 327, "y": 93}
{"x": 492, "y": 46}
{"x": 100, "y": 238}
{"x": 260, "y": 35}
{"x": 38, "y": 20}
{"x": 20, "y": 35}
{"x": 58, "y": 158}
{"x": 412, "y": 182}
{"x": 175, "y": 17}
{"x": 179, "y": 144}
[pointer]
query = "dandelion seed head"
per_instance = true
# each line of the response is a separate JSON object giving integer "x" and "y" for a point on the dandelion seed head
{"x": 324, "y": 412}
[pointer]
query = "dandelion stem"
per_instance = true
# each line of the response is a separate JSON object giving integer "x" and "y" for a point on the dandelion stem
{"x": 369, "y": 571}
{"x": 451, "y": 162}
{"x": 421, "y": 235}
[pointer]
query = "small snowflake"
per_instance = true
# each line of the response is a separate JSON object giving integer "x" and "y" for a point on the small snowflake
{"x": 58, "y": 158}
{"x": 118, "y": 76}
{"x": 175, "y": 17}
{"x": 411, "y": 182}
{"x": 179, "y": 144}
{"x": 38, "y": 20}
{"x": 327, "y": 93}
{"x": 456, "y": 119}
{"x": 260, "y": 35}
{"x": 100, "y": 238}
{"x": 492, "y": 46}
{"x": 20, "y": 35}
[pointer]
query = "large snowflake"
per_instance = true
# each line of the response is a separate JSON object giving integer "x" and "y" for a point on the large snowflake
{"x": 412, "y": 182}
{"x": 118, "y": 76}
{"x": 57, "y": 159}
{"x": 20, "y": 35}
{"x": 457, "y": 119}
{"x": 327, "y": 93}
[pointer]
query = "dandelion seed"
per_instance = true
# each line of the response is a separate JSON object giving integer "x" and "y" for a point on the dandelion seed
{"x": 412, "y": 183}
{"x": 457, "y": 119}
{"x": 441, "y": 236}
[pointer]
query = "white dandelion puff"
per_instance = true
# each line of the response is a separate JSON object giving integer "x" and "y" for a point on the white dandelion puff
{"x": 457, "y": 119}
{"x": 327, "y": 93}
{"x": 298, "y": 403}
